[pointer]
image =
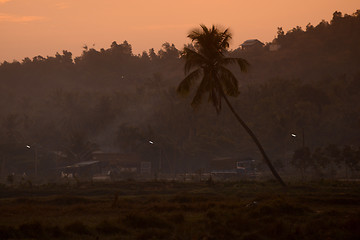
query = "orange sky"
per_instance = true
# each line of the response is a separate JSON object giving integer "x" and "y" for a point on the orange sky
{"x": 42, "y": 27}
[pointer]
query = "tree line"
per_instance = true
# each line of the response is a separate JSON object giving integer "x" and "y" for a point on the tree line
{"x": 115, "y": 101}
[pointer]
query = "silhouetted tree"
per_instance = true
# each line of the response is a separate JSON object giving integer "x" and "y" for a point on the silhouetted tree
{"x": 168, "y": 51}
{"x": 217, "y": 80}
{"x": 78, "y": 147}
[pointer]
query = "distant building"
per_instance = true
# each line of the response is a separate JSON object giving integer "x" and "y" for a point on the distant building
{"x": 83, "y": 170}
{"x": 118, "y": 162}
{"x": 251, "y": 44}
{"x": 232, "y": 166}
{"x": 105, "y": 166}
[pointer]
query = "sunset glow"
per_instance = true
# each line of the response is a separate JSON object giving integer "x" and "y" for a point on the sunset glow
{"x": 42, "y": 27}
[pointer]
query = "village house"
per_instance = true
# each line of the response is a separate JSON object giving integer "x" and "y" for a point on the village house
{"x": 251, "y": 44}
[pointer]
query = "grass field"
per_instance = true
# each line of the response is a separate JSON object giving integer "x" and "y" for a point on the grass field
{"x": 172, "y": 210}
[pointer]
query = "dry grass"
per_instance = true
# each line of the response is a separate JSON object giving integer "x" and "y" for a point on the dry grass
{"x": 169, "y": 210}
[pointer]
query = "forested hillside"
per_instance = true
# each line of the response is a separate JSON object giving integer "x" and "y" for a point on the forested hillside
{"x": 115, "y": 101}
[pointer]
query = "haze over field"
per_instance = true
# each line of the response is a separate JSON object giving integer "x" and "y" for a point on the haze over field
{"x": 42, "y": 27}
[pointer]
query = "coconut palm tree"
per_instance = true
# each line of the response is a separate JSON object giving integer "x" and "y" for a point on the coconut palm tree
{"x": 207, "y": 60}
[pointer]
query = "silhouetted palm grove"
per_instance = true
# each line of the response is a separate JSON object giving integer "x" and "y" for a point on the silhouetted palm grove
{"x": 115, "y": 101}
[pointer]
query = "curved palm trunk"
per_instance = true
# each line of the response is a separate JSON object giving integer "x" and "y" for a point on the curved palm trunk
{"x": 248, "y": 130}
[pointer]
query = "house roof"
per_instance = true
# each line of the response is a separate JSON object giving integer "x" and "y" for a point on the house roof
{"x": 251, "y": 42}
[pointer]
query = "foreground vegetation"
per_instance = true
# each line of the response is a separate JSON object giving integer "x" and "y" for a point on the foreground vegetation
{"x": 173, "y": 210}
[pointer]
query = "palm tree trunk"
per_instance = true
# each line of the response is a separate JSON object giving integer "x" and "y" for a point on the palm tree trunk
{"x": 248, "y": 130}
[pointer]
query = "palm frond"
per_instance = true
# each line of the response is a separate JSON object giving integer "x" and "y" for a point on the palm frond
{"x": 192, "y": 59}
{"x": 242, "y": 63}
{"x": 194, "y": 34}
{"x": 215, "y": 99}
{"x": 205, "y": 29}
{"x": 187, "y": 82}
{"x": 201, "y": 90}
{"x": 198, "y": 32}
{"x": 213, "y": 88}
{"x": 229, "y": 82}
{"x": 226, "y": 37}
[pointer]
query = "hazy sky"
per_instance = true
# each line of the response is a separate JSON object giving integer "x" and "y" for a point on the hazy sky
{"x": 42, "y": 27}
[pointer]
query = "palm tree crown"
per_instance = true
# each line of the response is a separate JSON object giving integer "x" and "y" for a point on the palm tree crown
{"x": 209, "y": 60}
